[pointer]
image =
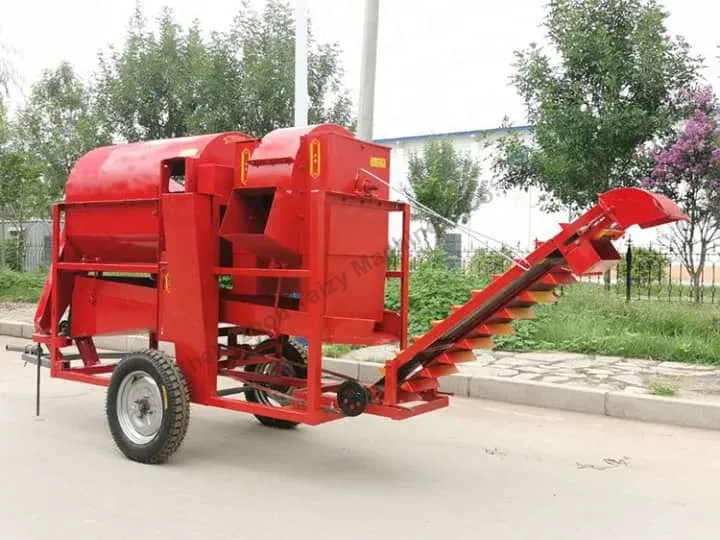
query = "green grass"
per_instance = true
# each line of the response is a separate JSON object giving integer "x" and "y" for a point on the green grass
{"x": 334, "y": 350}
{"x": 586, "y": 320}
{"x": 660, "y": 389}
{"x": 21, "y": 286}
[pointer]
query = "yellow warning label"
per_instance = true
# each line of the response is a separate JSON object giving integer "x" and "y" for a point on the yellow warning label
{"x": 315, "y": 159}
{"x": 378, "y": 162}
{"x": 244, "y": 158}
{"x": 166, "y": 282}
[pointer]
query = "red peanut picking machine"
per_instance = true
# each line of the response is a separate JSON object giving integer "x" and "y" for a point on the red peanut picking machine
{"x": 201, "y": 242}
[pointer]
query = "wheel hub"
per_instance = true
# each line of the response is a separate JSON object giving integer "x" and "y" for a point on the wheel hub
{"x": 352, "y": 398}
{"x": 139, "y": 407}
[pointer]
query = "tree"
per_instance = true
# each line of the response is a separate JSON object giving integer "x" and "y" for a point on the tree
{"x": 486, "y": 261}
{"x": 617, "y": 82}
{"x": 58, "y": 125}
{"x": 3, "y": 124}
{"x": 6, "y": 70}
{"x": 3, "y": 142}
{"x": 688, "y": 171}
{"x": 447, "y": 182}
{"x": 267, "y": 45}
{"x": 22, "y": 193}
{"x": 148, "y": 90}
{"x": 171, "y": 81}
{"x": 6, "y": 77}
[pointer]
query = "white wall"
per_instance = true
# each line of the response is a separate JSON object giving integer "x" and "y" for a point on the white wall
{"x": 513, "y": 218}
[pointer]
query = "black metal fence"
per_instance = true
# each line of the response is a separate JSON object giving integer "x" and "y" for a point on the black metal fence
{"x": 649, "y": 274}
{"x": 645, "y": 273}
{"x": 22, "y": 257}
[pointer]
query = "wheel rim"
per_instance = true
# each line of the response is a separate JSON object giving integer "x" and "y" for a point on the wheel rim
{"x": 139, "y": 407}
{"x": 272, "y": 368}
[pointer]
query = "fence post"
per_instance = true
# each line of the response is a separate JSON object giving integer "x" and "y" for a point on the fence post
{"x": 628, "y": 271}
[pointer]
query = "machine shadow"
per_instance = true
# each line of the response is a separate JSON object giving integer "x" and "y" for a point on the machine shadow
{"x": 310, "y": 452}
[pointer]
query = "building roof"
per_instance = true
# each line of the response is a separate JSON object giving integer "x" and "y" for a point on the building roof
{"x": 451, "y": 134}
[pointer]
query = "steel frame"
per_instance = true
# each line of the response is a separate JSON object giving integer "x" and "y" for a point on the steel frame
{"x": 317, "y": 395}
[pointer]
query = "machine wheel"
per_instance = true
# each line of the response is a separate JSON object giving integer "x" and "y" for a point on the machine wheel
{"x": 148, "y": 406}
{"x": 353, "y": 398}
{"x": 293, "y": 352}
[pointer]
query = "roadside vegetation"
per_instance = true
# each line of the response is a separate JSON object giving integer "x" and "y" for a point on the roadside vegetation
{"x": 20, "y": 286}
{"x": 586, "y": 319}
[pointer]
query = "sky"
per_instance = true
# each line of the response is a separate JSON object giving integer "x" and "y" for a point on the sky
{"x": 442, "y": 65}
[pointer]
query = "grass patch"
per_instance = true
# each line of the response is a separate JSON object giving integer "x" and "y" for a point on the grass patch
{"x": 586, "y": 320}
{"x": 337, "y": 350}
{"x": 21, "y": 286}
{"x": 660, "y": 389}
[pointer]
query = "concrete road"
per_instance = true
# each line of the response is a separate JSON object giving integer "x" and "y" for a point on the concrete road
{"x": 478, "y": 470}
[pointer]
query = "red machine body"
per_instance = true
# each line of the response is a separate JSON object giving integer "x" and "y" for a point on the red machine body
{"x": 298, "y": 222}
{"x": 135, "y": 175}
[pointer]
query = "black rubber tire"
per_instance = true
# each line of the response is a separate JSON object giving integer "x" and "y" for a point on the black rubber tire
{"x": 296, "y": 353}
{"x": 176, "y": 413}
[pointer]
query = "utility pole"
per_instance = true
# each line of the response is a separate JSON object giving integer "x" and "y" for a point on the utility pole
{"x": 366, "y": 102}
{"x": 301, "y": 71}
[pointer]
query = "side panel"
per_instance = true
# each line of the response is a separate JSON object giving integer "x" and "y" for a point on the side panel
{"x": 103, "y": 307}
{"x": 121, "y": 232}
{"x": 188, "y": 314}
{"x": 354, "y": 283}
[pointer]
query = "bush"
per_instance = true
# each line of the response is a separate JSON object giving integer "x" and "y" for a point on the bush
{"x": 393, "y": 259}
{"x": 434, "y": 289}
{"x": 21, "y": 286}
{"x": 649, "y": 267}
{"x": 14, "y": 253}
{"x": 485, "y": 262}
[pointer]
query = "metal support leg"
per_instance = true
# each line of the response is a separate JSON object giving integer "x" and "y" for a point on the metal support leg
{"x": 37, "y": 381}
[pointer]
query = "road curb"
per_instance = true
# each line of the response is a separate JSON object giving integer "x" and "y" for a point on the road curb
{"x": 645, "y": 408}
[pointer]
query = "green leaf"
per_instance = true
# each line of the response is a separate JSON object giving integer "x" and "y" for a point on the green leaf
{"x": 611, "y": 79}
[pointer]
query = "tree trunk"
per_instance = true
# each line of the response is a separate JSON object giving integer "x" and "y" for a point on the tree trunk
{"x": 439, "y": 234}
{"x": 696, "y": 284}
{"x": 2, "y": 241}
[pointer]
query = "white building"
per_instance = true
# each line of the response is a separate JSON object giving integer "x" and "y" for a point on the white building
{"x": 514, "y": 219}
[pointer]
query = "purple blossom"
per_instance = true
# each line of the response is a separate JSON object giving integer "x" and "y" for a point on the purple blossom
{"x": 705, "y": 98}
{"x": 694, "y": 157}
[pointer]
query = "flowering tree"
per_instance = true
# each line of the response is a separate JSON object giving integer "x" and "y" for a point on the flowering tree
{"x": 688, "y": 171}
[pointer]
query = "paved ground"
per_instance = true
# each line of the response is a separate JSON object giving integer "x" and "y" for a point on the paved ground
{"x": 17, "y": 311}
{"x": 475, "y": 470}
{"x": 633, "y": 376}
